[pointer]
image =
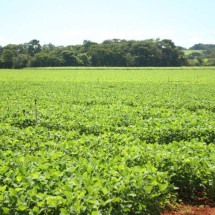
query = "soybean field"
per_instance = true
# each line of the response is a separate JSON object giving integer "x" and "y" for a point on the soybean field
{"x": 106, "y": 141}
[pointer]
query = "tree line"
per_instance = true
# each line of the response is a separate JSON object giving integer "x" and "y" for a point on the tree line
{"x": 202, "y": 55}
{"x": 115, "y": 52}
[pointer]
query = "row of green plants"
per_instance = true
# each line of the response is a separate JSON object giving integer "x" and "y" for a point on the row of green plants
{"x": 70, "y": 147}
{"x": 93, "y": 175}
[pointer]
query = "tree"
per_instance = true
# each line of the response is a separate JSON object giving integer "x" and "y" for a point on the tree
{"x": 14, "y": 56}
{"x": 113, "y": 52}
{"x": 84, "y": 59}
{"x": 201, "y": 46}
{"x": 1, "y": 62}
{"x": 146, "y": 53}
{"x": 87, "y": 44}
{"x": 130, "y": 59}
{"x": 33, "y": 47}
{"x": 43, "y": 59}
{"x": 48, "y": 47}
{"x": 1, "y": 50}
{"x": 171, "y": 56}
{"x": 70, "y": 59}
{"x": 20, "y": 61}
{"x": 9, "y": 52}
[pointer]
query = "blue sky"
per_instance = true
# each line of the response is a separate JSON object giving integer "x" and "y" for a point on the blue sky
{"x": 69, "y": 22}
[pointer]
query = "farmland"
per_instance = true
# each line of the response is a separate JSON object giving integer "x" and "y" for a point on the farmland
{"x": 105, "y": 141}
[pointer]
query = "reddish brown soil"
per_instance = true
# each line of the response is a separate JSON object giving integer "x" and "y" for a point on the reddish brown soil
{"x": 191, "y": 210}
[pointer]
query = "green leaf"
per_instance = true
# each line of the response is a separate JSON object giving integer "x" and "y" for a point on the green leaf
{"x": 22, "y": 207}
{"x": 52, "y": 202}
{"x": 2, "y": 189}
{"x": 6, "y": 210}
{"x": 12, "y": 192}
{"x": 95, "y": 213}
{"x": 18, "y": 189}
{"x": 116, "y": 199}
{"x": 1, "y": 198}
{"x": 63, "y": 211}
{"x": 163, "y": 187}
{"x": 19, "y": 178}
{"x": 36, "y": 209}
{"x": 148, "y": 189}
{"x": 105, "y": 191}
{"x": 132, "y": 194}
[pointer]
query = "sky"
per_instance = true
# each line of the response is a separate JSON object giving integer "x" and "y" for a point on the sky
{"x": 70, "y": 22}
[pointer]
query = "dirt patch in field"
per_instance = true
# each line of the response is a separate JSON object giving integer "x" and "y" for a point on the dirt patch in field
{"x": 191, "y": 210}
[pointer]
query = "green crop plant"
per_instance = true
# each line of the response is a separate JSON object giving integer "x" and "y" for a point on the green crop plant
{"x": 105, "y": 141}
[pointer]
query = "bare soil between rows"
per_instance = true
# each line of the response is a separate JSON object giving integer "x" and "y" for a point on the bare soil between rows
{"x": 191, "y": 210}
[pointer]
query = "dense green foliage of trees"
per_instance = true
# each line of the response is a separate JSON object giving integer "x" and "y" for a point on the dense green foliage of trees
{"x": 202, "y": 55}
{"x": 113, "y": 52}
{"x": 201, "y": 46}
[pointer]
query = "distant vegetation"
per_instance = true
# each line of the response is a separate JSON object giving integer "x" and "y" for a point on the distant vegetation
{"x": 201, "y": 55}
{"x": 201, "y": 46}
{"x": 111, "y": 53}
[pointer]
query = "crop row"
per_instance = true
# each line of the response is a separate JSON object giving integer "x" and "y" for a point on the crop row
{"x": 69, "y": 147}
{"x": 93, "y": 174}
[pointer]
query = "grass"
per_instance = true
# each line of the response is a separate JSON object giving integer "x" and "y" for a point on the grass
{"x": 188, "y": 52}
{"x": 122, "y": 68}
